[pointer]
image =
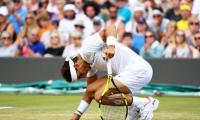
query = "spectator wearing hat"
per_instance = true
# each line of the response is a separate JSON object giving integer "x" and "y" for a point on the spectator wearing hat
{"x": 18, "y": 15}
{"x": 67, "y": 24}
{"x": 138, "y": 36}
{"x": 124, "y": 12}
{"x": 194, "y": 27}
{"x": 196, "y": 48}
{"x": 73, "y": 49}
{"x": 112, "y": 10}
{"x": 185, "y": 15}
{"x": 44, "y": 23}
{"x": 157, "y": 23}
{"x": 80, "y": 27}
{"x": 32, "y": 5}
{"x": 29, "y": 25}
{"x": 55, "y": 48}
{"x": 97, "y": 25}
{"x": 7, "y": 49}
{"x": 174, "y": 12}
{"x": 180, "y": 49}
{"x": 152, "y": 47}
{"x": 138, "y": 13}
{"x": 31, "y": 46}
{"x": 5, "y": 25}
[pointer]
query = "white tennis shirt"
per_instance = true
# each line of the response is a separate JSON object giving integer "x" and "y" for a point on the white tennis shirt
{"x": 92, "y": 53}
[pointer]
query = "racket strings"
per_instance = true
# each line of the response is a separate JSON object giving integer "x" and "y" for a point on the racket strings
{"x": 113, "y": 112}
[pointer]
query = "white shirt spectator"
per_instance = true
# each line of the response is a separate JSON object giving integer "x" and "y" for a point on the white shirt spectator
{"x": 8, "y": 52}
{"x": 70, "y": 51}
{"x": 196, "y": 8}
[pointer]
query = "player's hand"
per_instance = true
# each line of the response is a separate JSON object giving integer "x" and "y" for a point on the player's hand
{"x": 75, "y": 117}
{"x": 109, "y": 52}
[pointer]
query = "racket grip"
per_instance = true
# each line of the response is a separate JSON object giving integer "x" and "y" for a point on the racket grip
{"x": 109, "y": 68}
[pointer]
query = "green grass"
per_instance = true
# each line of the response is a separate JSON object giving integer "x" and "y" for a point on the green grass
{"x": 53, "y": 107}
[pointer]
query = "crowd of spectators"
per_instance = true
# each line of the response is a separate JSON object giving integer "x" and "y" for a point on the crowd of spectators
{"x": 49, "y": 28}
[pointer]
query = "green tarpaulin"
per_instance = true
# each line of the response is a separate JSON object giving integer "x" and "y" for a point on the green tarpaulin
{"x": 62, "y": 87}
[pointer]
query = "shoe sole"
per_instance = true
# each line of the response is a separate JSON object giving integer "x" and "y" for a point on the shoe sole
{"x": 155, "y": 104}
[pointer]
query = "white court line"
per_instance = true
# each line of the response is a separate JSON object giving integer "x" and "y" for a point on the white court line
{"x": 1, "y": 108}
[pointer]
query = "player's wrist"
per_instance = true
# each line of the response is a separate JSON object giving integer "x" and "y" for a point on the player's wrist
{"x": 111, "y": 40}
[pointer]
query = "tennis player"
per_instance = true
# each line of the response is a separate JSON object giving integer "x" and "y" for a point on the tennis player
{"x": 131, "y": 71}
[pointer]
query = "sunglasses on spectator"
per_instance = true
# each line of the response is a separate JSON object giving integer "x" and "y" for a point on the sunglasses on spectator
{"x": 113, "y": 11}
{"x": 148, "y": 36}
{"x": 54, "y": 37}
{"x": 156, "y": 16}
{"x": 80, "y": 26}
{"x": 6, "y": 38}
{"x": 197, "y": 38}
{"x": 29, "y": 17}
{"x": 194, "y": 23}
{"x": 77, "y": 38}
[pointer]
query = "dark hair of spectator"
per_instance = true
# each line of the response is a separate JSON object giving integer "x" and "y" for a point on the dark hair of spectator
{"x": 127, "y": 34}
{"x": 17, "y": 1}
{"x": 92, "y": 4}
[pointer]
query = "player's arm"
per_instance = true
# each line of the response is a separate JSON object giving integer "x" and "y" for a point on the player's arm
{"x": 85, "y": 102}
{"x": 109, "y": 36}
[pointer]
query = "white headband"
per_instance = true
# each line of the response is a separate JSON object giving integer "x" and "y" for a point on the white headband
{"x": 72, "y": 69}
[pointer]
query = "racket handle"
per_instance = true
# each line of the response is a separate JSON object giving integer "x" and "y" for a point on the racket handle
{"x": 109, "y": 68}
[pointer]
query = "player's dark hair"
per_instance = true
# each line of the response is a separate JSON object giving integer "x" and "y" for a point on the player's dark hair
{"x": 65, "y": 71}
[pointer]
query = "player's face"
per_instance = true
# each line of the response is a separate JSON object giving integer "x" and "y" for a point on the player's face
{"x": 82, "y": 68}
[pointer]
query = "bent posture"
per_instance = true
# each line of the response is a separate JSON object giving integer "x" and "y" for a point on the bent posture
{"x": 131, "y": 71}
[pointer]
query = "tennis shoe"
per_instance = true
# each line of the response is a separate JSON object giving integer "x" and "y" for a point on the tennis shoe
{"x": 133, "y": 113}
{"x": 146, "y": 110}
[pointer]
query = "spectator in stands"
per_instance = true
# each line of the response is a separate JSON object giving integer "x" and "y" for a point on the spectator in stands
{"x": 32, "y": 5}
{"x": 45, "y": 39}
{"x": 194, "y": 27}
{"x": 44, "y": 23}
{"x": 138, "y": 13}
{"x": 127, "y": 39}
{"x": 80, "y": 27}
{"x": 169, "y": 35}
{"x": 185, "y": 15}
{"x": 180, "y": 49}
{"x": 149, "y": 6}
{"x": 196, "y": 49}
{"x": 158, "y": 23}
{"x": 67, "y": 25}
{"x": 196, "y": 8}
{"x": 91, "y": 10}
{"x": 56, "y": 48}
{"x": 138, "y": 35}
{"x": 72, "y": 49}
{"x": 113, "y": 20}
{"x": 7, "y": 49}
{"x": 97, "y": 25}
{"x": 4, "y": 23}
{"x": 31, "y": 46}
{"x": 17, "y": 16}
{"x": 59, "y": 11}
{"x": 152, "y": 47}
{"x": 79, "y": 5}
{"x": 124, "y": 12}
{"x": 174, "y": 12}
{"x": 30, "y": 24}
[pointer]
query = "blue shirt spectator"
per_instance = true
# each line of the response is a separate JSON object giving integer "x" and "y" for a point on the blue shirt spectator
{"x": 138, "y": 42}
{"x": 124, "y": 14}
{"x": 17, "y": 18}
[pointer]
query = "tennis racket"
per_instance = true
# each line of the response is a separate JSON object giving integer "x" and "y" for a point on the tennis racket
{"x": 112, "y": 112}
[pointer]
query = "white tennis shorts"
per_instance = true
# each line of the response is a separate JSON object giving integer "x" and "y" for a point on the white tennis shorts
{"x": 135, "y": 77}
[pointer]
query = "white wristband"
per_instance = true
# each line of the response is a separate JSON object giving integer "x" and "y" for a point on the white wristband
{"x": 111, "y": 40}
{"x": 83, "y": 106}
